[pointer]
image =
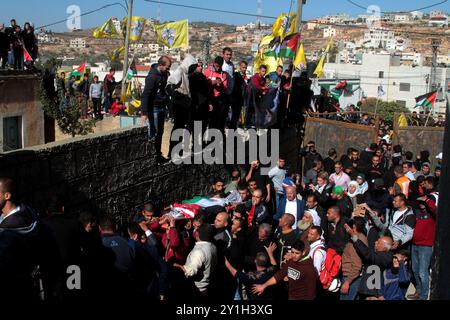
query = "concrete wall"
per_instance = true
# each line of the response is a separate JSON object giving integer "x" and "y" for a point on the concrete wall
{"x": 112, "y": 173}
{"x": 18, "y": 97}
{"x": 368, "y": 72}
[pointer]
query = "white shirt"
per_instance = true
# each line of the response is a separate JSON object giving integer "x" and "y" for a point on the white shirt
{"x": 202, "y": 259}
{"x": 291, "y": 208}
{"x": 317, "y": 255}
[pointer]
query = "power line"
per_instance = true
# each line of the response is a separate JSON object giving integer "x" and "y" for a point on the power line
{"x": 387, "y": 12}
{"x": 84, "y": 14}
{"x": 271, "y": 17}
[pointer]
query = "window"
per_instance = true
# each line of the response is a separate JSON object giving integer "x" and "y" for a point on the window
{"x": 12, "y": 133}
{"x": 381, "y": 74}
{"x": 405, "y": 86}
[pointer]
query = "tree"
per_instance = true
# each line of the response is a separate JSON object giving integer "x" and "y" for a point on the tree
{"x": 385, "y": 110}
{"x": 66, "y": 112}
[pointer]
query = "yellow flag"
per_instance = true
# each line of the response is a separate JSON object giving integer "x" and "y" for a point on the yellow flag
{"x": 300, "y": 60}
{"x": 320, "y": 65}
{"x": 118, "y": 54}
{"x": 137, "y": 27}
{"x": 174, "y": 34}
{"x": 285, "y": 25}
{"x": 402, "y": 122}
{"x": 329, "y": 45}
{"x": 107, "y": 30}
{"x": 270, "y": 61}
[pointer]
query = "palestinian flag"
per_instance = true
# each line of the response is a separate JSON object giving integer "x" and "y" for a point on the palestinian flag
{"x": 26, "y": 56}
{"x": 81, "y": 68}
{"x": 132, "y": 71}
{"x": 341, "y": 85}
{"x": 426, "y": 101}
{"x": 284, "y": 49}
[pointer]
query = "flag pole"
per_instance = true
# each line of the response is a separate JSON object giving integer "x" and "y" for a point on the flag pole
{"x": 299, "y": 31}
{"x": 127, "y": 45}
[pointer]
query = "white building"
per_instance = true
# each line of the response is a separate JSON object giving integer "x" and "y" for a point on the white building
{"x": 401, "y": 84}
{"x": 411, "y": 58}
{"x": 445, "y": 60}
{"x": 78, "y": 43}
{"x": 402, "y": 18}
{"x": 397, "y": 44}
{"x": 416, "y": 15}
{"x": 375, "y": 37}
{"x": 251, "y": 25}
{"x": 438, "y": 21}
{"x": 45, "y": 38}
{"x": 312, "y": 25}
{"x": 329, "y": 32}
{"x": 241, "y": 29}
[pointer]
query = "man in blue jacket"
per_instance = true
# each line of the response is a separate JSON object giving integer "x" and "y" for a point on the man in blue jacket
{"x": 291, "y": 205}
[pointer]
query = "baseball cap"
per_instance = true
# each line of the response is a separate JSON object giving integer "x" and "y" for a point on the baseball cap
{"x": 439, "y": 156}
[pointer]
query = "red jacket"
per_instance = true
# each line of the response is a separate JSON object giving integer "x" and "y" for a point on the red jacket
{"x": 212, "y": 74}
{"x": 425, "y": 225}
{"x": 259, "y": 83}
{"x": 176, "y": 248}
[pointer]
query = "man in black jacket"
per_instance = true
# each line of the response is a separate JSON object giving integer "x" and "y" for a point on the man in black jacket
{"x": 154, "y": 102}
{"x": 5, "y": 45}
{"x": 380, "y": 257}
{"x": 309, "y": 153}
{"x": 335, "y": 235}
{"x": 239, "y": 93}
{"x": 25, "y": 244}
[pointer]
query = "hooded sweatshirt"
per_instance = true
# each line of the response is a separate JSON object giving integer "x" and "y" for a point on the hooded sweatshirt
{"x": 24, "y": 244}
{"x": 178, "y": 81}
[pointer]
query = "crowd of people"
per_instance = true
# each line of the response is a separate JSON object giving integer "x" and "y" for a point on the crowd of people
{"x": 315, "y": 234}
{"x": 94, "y": 98}
{"x": 13, "y": 41}
{"x": 219, "y": 96}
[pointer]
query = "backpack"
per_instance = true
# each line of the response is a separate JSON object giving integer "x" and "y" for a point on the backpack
{"x": 331, "y": 268}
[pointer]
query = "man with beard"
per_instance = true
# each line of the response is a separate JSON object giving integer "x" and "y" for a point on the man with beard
{"x": 310, "y": 219}
{"x": 291, "y": 205}
{"x": 342, "y": 201}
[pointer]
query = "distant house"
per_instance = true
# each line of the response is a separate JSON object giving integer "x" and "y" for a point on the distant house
{"x": 329, "y": 32}
{"x": 241, "y": 29}
{"x": 78, "y": 43}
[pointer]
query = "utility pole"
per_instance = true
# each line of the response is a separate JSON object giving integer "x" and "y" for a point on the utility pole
{"x": 127, "y": 46}
{"x": 206, "y": 50}
{"x": 259, "y": 12}
{"x": 435, "y": 43}
{"x": 440, "y": 277}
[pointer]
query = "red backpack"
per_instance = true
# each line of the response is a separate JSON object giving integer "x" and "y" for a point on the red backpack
{"x": 331, "y": 268}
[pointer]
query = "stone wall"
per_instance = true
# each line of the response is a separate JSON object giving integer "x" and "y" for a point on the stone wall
{"x": 112, "y": 173}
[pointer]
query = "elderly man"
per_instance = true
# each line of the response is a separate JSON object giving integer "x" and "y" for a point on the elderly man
{"x": 380, "y": 257}
{"x": 291, "y": 205}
